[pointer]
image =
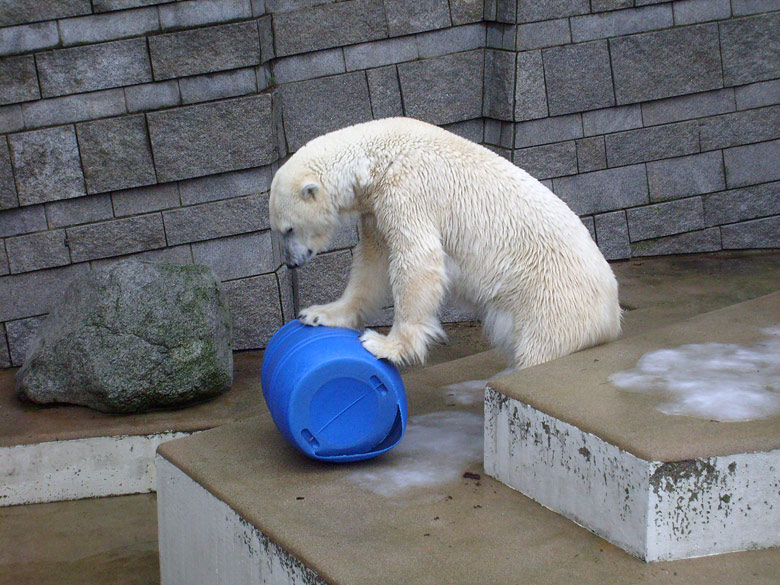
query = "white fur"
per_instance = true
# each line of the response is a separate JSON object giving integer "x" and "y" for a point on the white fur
{"x": 439, "y": 211}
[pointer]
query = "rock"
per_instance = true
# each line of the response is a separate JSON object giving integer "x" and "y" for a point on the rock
{"x": 132, "y": 337}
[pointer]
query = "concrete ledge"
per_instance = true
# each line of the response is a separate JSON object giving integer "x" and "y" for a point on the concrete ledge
{"x": 80, "y": 468}
{"x": 660, "y": 486}
{"x": 55, "y": 453}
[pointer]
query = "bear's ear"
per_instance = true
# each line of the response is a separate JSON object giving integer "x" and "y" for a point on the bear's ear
{"x": 310, "y": 190}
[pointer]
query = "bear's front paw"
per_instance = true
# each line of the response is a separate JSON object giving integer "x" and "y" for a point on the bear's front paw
{"x": 331, "y": 315}
{"x": 382, "y": 346}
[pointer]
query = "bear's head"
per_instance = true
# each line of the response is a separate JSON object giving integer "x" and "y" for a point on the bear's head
{"x": 302, "y": 211}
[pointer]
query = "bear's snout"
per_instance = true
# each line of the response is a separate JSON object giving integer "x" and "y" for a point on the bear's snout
{"x": 295, "y": 253}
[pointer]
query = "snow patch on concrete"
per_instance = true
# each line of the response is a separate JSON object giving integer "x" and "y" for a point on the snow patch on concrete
{"x": 437, "y": 448}
{"x": 715, "y": 381}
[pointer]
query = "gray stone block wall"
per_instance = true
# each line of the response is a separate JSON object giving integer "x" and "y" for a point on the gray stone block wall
{"x": 152, "y": 129}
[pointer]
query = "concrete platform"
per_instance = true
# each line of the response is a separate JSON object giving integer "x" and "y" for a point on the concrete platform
{"x": 237, "y": 504}
{"x": 662, "y": 486}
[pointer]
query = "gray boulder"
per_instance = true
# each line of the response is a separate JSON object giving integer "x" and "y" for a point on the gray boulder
{"x": 132, "y": 337}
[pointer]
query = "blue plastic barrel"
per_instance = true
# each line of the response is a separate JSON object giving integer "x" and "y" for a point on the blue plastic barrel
{"x": 330, "y": 397}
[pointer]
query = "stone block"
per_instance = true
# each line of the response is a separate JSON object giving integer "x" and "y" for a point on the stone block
{"x": 20, "y": 335}
{"x": 379, "y": 53}
{"x": 756, "y": 95}
{"x": 37, "y": 251}
{"x": 611, "y": 120}
{"x": 406, "y": 17}
{"x": 98, "y": 28}
{"x": 266, "y": 31}
{"x": 550, "y": 160}
{"x": 211, "y": 138}
{"x": 606, "y": 190}
{"x": 548, "y": 130}
{"x": 5, "y": 356}
{"x": 603, "y": 5}
{"x": 22, "y": 220}
{"x": 323, "y": 279}
{"x": 740, "y": 128}
{"x": 745, "y": 7}
{"x": 310, "y": 65}
{"x": 205, "y": 50}
{"x": 620, "y": 23}
{"x": 33, "y": 293}
{"x": 4, "y": 269}
{"x": 530, "y": 94}
{"x": 591, "y": 154}
{"x": 612, "y": 235}
{"x": 110, "y": 5}
{"x": 237, "y": 256}
{"x": 200, "y": 12}
{"x": 546, "y": 33}
{"x": 34, "y": 10}
{"x": 146, "y": 199}
{"x": 752, "y": 164}
{"x": 47, "y": 165}
{"x": 500, "y": 36}
{"x": 473, "y": 130}
{"x": 578, "y": 78}
{"x": 215, "y": 86}
{"x": 501, "y": 10}
{"x": 93, "y": 67}
{"x": 152, "y": 96}
{"x": 226, "y": 185}
{"x": 758, "y": 233}
{"x": 687, "y": 107}
{"x": 706, "y": 240}
{"x": 531, "y": 10}
{"x": 28, "y": 38}
{"x": 74, "y": 108}
{"x": 216, "y": 220}
{"x": 499, "y": 133}
{"x": 11, "y": 119}
{"x": 750, "y": 48}
{"x": 665, "y": 219}
{"x": 18, "y": 80}
{"x": 310, "y": 110}
{"x": 663, "y": 64}
{"x": 115, "y": 154}
{"x": 80, "y": 210}
{"x": 695, "y": 11}
{"x": 429, "y": 92}
{"x": 116, "y": 238}
{"x": 646, "y": 144}
{"x": 8, "y": 198}
{"x": 171, "y": 255}
{"x": 466, "y": 11}
{"x": 450, "y": 40}
{"x": 255, "y": 308}
{"x": 322, "y": 27}
{"x": 284, "y": 277}
{"x": 385, "y": 91}
{"x": 741, "y": 204}
{"x": 499, "y": 94}
{"x": 688, "y": 175}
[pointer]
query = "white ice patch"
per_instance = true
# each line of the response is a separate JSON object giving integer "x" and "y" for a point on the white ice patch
{"x": 469, "y": 392}
{"x": 716, "y": 381}
{"x": 437, "y": 448}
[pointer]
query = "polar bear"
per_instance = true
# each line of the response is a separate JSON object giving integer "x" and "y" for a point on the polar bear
{"x": 440, "y": 212}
